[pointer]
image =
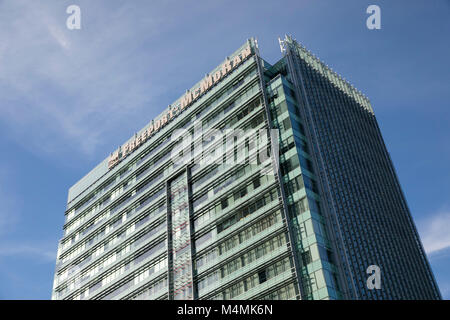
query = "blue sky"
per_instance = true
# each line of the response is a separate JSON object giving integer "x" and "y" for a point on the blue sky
{"x": 70, "y": 97}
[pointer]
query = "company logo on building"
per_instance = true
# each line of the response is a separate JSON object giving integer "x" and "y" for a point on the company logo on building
{"x": 186, "y": 101}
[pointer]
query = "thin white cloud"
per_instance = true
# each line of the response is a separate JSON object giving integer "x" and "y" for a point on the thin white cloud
{"x": 7, "y": 219}
{"x": 435, "y": 232}
{"x": 65, "y": 91}
{"x": 10, "y": 216}
{"x": 28, "y": 251}
{"x": 9, "y": 204}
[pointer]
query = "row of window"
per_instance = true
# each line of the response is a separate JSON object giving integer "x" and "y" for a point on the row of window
{"x": 240, "y": 262}
{"x": 245, "y": 235}
{"x": 284, "y": 293}
{"x": 108, "y": 228}
{"x": 79, "y": 248}
{"x": 238, "y": 216}
{"x": 139, "y": 278}
{"x": 152, "y": 291}
{"x": 114, "y": 208}
{"x": 213, "y": 190}
{"x": 254, "y": 280}
{"x": 100, "y": 265}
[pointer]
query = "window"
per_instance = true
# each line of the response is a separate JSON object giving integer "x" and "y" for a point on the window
{"x": 239, "y": 194}
{"x": 256, "y": 183}
{"x": 224, "y": 203}
{"x": 262, "y": 276}
{"x": 306, "y": 257}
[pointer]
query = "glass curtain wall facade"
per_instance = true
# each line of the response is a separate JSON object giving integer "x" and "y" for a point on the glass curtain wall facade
{"x": 358, "y": 192}
{"x": 302, "y": 223}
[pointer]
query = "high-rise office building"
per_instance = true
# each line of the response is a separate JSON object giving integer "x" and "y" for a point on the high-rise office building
{"x": 261, "y": 182}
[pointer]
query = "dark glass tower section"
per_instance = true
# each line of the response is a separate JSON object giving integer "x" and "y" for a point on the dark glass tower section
{"x": 352, "y": 178}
